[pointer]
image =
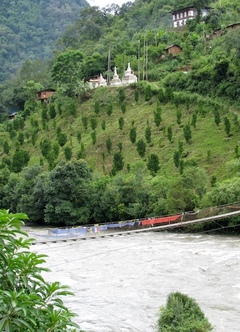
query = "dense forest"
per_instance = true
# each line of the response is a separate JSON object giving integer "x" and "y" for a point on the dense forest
{"x": 168, "y": 143}
{"x": 29, "y": 30}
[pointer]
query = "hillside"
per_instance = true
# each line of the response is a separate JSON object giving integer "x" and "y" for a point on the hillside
{"x": 29, "y": 30}
{"x": 168, "y": 143}
{"x": 87, "y": 127}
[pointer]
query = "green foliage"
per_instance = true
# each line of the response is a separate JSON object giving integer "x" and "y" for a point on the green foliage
{"x": 121, "y": 95}
{"x": 85, "y": 122}
{"x": 103, "y": 125}
{"x": 227, "y": 126}
{"x": 6, "y": 147}
{"x": 94, "y": 137}
{"x": 187, "y": 132}
{"x": 153, "y": 163}
{"x": 20, "y": 159}
{"x": 169, "y": 133}
{"x": 182, "y": 314}
{"x": 179, "y": 117}
{"x": 121, "y": 123}
{"x": 68, "y": 152}
{"x": 148, "y": 134}
{"x": 136, "y": 95}
{"x": 97, "y": 107}
{"x": 148, "y": 92}
{"x": 118, "y": 163}
{"x": 67, "y": 70}
{"x": 52, "y": 111}
{"x": 27, "y": 301}
{"x": 67, "y": 194}
{"x": 94, "y": 123}
{"x": 109, "y": 109}
{"x": 62, "y": 139}
{"x": 157, "y": 116}
{"x": 109, "y": 144}
{"x": 123, "y": 108}
{"x": 133, "y": 135}
{"x": 141, "y": 147}
{"x": 217, "y": 117}
{"x": 194, "y": 120}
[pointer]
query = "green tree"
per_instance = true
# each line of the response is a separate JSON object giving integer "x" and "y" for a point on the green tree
{"x": 217, "y": 117}
{"x": 121, "y": 95}
{"x": 97, "y": 107}
{"x": 6, "y": 147}
{"x": 93, "y": 122}
{"x": 148, "y": 134}
{"x": 179, "y": 117}
{"x": 94, "y": 137}
{"x": 133, "y": 135}
{"x": 67, "y": 70}
{"x": 62, "y": 139}
{"x": 68, "y": 152}
{"x": 148, "y": 92}
{"x": 109, "y": 144}
{"x": 182, "y": 313}
{"x": 20, "y": 159}
{"x": 136, "y": 95}
{"x": 21, "y": 138}
{"x": 158, "y": 116}
{"x": 45, "y": 147}
{"x": 121, "y": 123}
{"x": 141, "y": 147}
{"x": 194, "y": 120}
{"x": 27, "y": 301}
{"x": 227, "y": 126}
{"x": 67, "y": 194}
{"x": 176, "y": 158}
{"x": 169, "y": 133}
{"x": 109, "y": 109}
{"x": 85, "y": 122}
{"x": 153, "y": 163}
{"x": 52, "y": 111}
{"x": 187, "y": 132}
{"x": 123, "y": 108}
{"x": 103, "y": 125}
{"x": 118, "y": 163}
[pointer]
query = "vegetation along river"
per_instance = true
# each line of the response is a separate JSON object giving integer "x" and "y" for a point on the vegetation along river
{"x": 120, "y": 282}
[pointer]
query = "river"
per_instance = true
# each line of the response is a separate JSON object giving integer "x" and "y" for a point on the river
{"x": 120, "y": 282}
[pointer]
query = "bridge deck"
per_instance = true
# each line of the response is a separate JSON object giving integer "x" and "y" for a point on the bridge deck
{"x": 140, "y": 230}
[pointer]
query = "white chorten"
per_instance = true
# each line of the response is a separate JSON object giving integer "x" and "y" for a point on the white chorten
{"x": 115, "y": 80}
{"x": 129, "y": 76}
{"x": 102, "y": 81}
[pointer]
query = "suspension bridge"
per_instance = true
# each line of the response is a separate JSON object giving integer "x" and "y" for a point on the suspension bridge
{"x": 213, "y": 214}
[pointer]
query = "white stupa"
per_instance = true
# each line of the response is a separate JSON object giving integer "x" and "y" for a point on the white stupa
{"x": 115, "y": 80}
{"x": 129, "y": 76}
{"x": 102, "y": 81}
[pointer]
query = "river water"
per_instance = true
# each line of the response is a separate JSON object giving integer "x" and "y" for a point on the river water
{"x": 120, "y": 282}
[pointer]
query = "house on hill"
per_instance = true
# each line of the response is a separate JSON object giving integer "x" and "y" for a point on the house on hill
{"x": 180, "y": 16}
{"x": 221, "y": 31}
{"x": 173, "y": 50}
{"x": 44, "y": 95}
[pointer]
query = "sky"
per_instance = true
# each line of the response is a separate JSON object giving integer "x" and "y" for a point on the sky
{"x": 104, "y": 3}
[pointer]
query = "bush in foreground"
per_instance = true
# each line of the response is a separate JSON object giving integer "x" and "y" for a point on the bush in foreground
{"x": 182, "y": 314}
{"x": 27, "y": 302}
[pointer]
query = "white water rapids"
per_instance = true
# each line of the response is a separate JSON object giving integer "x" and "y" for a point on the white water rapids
{"x": 120, "y": 282}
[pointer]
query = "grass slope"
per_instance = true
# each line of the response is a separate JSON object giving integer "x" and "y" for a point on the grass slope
{"x": 209, "y": 147}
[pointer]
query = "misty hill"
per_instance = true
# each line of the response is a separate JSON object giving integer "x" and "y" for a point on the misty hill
{"x": 29, "y": 29}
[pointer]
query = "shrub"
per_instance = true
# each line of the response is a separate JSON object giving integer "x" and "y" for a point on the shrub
{"x": 27, "y": 301}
